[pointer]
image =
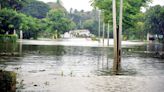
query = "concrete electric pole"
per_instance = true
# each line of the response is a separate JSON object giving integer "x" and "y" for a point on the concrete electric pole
{"x": 108, "y": 35}
{"x": 117, "y": 32}
{"x": 99, "y": 34}
{"x": 103, "y": 32}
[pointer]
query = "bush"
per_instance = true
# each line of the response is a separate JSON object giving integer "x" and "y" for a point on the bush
{"x": 7, "y": 81}
{"x": 8, "y": 38}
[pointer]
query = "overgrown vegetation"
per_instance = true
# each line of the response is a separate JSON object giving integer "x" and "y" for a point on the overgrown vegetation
{"x": 33, "y": 18}
{"x": 7, "y": 81}
{"x": 8, "y": 38}
{"x": 38, "y": 19}
{"x": 154, "y": 21}
{"x": 132, "y": 15}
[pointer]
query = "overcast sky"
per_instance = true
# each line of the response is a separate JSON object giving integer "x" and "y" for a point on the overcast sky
{"x": 85, "y": 5}
{"x": 155, "y": 2}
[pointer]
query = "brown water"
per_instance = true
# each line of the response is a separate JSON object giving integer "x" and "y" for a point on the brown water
{"x": 59, "y": 68}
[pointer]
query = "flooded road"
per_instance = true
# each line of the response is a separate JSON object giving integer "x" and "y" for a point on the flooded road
{"x": 73, "y": 68}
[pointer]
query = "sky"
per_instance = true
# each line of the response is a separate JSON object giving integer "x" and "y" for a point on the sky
{"x": 85, "y": 5}
{"x": 155, "y": 2}
{"x": 75, "y": 4}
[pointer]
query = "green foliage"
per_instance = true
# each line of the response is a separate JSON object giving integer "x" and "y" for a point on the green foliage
{"x": 8, "y": 38}
{"x": 36, "y": 9}
{"x": 131, "y": 10}
{"x": 9, "y": 20}
{"x": 45, "y": 21}
{"x": 137, "y": 31}
{"x": 56, "y": 15}
{"x": 91, "y": 25}
{"x": 154, "y": 20}
{"x": 85, "y": 20}
{"x": 59, "y": 21}
{"x": 13, "y": 4}
{"x": 7, "y": 81}
{"x": 30, "y": 26}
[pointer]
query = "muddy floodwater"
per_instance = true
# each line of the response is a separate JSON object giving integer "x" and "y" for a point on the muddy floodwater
{"x": 60, "y": 68}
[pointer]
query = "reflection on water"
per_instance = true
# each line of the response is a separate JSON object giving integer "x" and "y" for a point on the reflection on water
{"x": 36, "y": 60}
{"x": 8, "y": 47}
{"x": 81, "y": 60}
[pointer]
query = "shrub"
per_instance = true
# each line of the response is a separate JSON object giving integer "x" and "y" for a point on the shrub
{"x": 7, "y": 81}
{"x": 8, "y": 38}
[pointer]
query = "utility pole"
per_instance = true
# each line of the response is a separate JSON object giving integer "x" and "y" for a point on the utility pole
{"x": 80, "y": 24}
{"x": 120, "y": 32}
{"x": 115, "y": 62}
{"x": 117, "y": 32}
{"x": 103, "y": 32}
{"x": 108, "y": 35}
{"x": 99, "y": 25}
{"x": 21, "y": 35}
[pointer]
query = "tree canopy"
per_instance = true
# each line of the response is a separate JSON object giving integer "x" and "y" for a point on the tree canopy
{"x": 14, "y": 4}
{"x": 36, "y": 9}
{"x": 59, "y": 21}
{"x": 85, "y": 20}
{"x": 131, "y": 12}
{"x": 33, "y": 17}
{"x": 9, "y": 20}
{"x": 154, "y": 20}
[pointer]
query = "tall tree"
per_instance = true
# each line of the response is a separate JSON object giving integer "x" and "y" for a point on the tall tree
{"x": 85, "y": 20}
{"x": 13, "y": 4}
{"x": 130, "y": 11}
{"x": 59, "y": 21}
{"x": 59, "y": 2}
{"x": 91, "y": 25}
{"x": 9, "y": 20}
{"x": 36, "y": 9}
{"x": 154, "y": 20}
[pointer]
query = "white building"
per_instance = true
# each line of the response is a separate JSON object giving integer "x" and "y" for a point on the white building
{"x": 80, "y": 33}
